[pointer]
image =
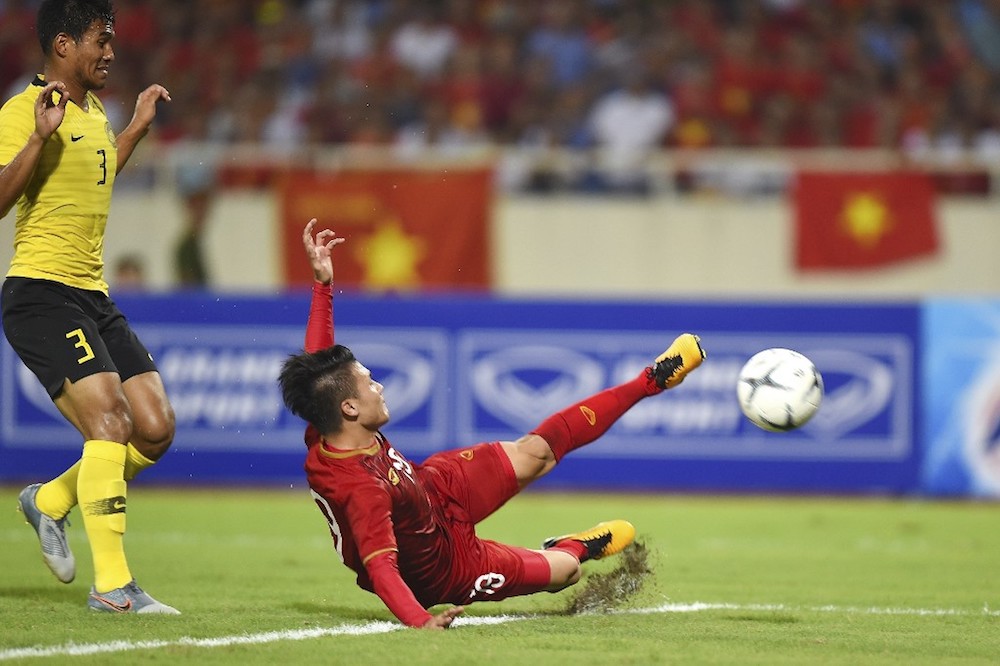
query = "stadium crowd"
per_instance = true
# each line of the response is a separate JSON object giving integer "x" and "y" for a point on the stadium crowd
{"x": 454, "y": 74}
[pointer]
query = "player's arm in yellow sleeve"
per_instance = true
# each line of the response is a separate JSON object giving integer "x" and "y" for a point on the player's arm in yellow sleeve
{"x": 145, "y": 111}
{"x": 16, "y": 173}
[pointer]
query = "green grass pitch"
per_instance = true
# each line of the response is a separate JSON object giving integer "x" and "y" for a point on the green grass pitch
{"x": 737, "y": 580}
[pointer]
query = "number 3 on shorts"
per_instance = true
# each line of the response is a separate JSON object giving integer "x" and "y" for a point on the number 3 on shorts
{"x": 81, "y": 343}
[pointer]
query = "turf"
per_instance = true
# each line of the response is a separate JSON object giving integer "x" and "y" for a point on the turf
{"x": 752, "y": 580}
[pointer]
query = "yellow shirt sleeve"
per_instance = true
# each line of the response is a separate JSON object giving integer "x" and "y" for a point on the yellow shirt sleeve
{"x": 17, "y": 122}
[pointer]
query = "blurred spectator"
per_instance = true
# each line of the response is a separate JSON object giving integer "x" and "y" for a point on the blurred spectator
{"x": 440, "y": 133}
{"x": 196, "y": 179}
{"x": 981, "y": 22}
{"x": 628, "y": 125}
{"x": 425, "y": 42}
{"x": 503, "y": 86}
{"x": 17, "y": 62}
{"x": 129, "y": 274}
{"x": 561, "y": 43}
{"x": 883, "y": 36}
{"x": 340, "y": 30}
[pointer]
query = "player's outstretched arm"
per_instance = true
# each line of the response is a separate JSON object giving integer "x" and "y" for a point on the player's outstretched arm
{"x": 388, "y": 584}
{"x": 319, "y": 329}
{"x": 49, "y": 114}
{"x": 145, "y": 111}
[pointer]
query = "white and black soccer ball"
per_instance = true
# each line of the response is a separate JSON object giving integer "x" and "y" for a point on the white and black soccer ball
{"x": 779, "y": 389}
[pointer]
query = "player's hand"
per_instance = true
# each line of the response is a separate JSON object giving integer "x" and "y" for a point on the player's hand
{"x": 49, "y": 114}
{"x": 319, "y": 251}
{"x": 145, "y": 105}
{"x": 443, "y": 619}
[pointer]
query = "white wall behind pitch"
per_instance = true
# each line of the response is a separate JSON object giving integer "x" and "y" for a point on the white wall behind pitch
{"x": 586, "y": 246}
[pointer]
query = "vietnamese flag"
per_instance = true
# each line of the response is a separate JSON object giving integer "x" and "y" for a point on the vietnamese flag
{"x": 863, "y": 220}
{"x": 406, "y": 229}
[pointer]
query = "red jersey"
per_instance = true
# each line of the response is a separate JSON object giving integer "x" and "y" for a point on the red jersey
{"x": 375, "y": 502}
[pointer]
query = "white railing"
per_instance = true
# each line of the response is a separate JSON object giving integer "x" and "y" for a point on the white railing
{"x": 728, "y": 172}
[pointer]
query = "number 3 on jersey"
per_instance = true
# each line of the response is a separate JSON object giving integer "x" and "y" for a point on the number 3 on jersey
{"x": 81, "y": 343}
{"x": 104, "y": 166}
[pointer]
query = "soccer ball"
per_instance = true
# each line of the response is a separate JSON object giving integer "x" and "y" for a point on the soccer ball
{"x": 779, "y": 389}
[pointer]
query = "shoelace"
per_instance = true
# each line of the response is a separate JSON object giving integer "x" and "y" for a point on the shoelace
{"x": 671, "y": 363}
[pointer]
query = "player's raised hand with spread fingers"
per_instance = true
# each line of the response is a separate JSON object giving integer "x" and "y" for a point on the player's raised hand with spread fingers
{"x": 319, "y": 251}
{"x": 142, "y": 119}
{"x": 145, "y": 104}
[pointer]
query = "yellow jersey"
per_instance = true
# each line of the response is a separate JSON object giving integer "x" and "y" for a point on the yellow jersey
{"x": 62, "y": 214}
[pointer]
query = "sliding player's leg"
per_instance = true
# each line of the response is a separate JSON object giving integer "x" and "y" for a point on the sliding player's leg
{"x": 604, "y": 539}
{"x": 515, "y": 571}
{"x": 534, "y": 455}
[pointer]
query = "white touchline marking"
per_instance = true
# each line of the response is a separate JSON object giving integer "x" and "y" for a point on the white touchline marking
{"x": 75, "y": 649}
{"x": 698, "y": 606}
{"x": 369, "y": 628}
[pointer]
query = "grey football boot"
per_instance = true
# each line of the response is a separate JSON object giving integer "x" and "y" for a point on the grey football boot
{"x": 127, "y": 599}
{"x": 51, "y": 535}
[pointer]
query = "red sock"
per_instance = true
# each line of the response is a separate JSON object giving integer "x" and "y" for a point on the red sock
{"x": 587, "y": 420}
{"x": 574, "y": 548}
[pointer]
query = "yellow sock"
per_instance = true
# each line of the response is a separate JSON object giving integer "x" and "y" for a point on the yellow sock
{"x": 135, "y": 462}
{"x": 58, "y": 496}
{"x": 101, "y": 491}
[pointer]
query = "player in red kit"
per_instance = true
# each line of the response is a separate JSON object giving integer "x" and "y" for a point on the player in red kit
{"x": 408, "y": 530}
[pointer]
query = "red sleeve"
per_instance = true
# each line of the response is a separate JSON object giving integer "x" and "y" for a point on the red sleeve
{"x": 383, "y": 570}
{"x": 319, "y": 330}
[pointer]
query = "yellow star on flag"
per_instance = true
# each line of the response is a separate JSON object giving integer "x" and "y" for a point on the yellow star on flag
{"x": 390, "y": 258}
{"x": 866, "y": 218}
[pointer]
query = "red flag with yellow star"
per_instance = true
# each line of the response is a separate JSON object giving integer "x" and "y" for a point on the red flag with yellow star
{"x": 863, "y": 220}
{"x": 406, "y": 229}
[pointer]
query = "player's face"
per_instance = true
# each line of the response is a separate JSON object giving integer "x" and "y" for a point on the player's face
{"x": 373, "y": 413}
{"x": 92, "y": 55}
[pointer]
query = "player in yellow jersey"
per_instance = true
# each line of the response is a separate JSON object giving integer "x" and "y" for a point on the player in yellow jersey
{"x": 59, "y": 158}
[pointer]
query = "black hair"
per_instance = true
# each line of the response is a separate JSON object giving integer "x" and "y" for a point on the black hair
{"x": 314, "y": 384}
{"x": 74, "y": 17}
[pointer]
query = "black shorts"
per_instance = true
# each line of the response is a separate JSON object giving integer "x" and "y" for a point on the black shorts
{"x": 62, "y": 333}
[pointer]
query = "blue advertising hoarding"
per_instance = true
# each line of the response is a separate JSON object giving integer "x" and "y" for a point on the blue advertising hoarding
{"x": 961, "y": 397}
{"x": 462, "y": 369}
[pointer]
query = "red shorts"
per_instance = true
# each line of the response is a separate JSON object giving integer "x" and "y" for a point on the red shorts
{"x": 472, "y": 483}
